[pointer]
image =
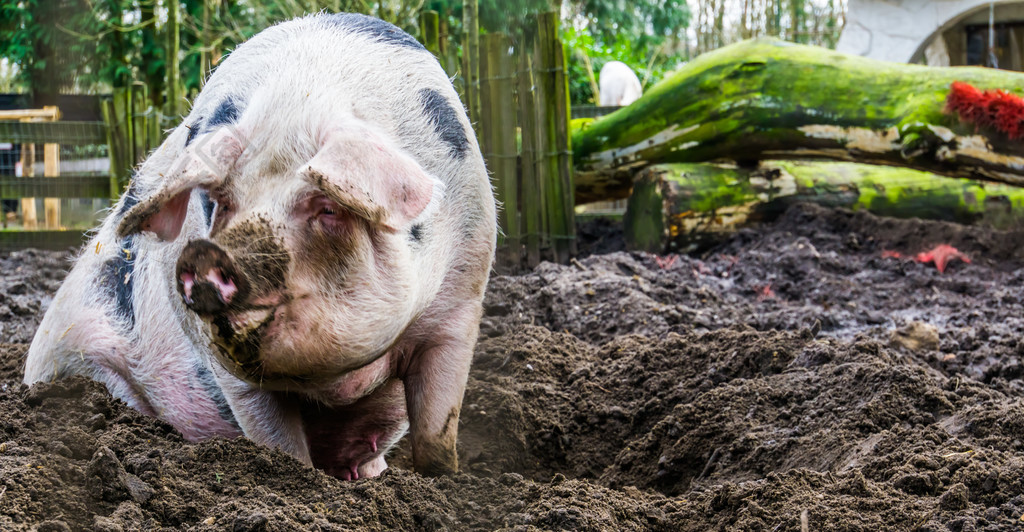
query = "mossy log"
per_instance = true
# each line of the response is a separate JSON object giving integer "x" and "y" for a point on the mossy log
{"x": 687, "y": 206}
{"x": 766, "y": 99}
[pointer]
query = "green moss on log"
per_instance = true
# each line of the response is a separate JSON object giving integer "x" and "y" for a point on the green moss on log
{"x": 698, "y": 201}
{"x": 769, "y": 99}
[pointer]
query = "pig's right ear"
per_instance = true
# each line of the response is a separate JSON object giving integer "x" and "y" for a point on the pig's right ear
{"x": 203, "y": 164}
{"x": 368, "y": 174}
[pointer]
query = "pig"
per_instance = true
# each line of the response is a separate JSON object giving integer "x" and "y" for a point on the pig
{"x": 619, "y": 85}
{"x": 302, "y": 261}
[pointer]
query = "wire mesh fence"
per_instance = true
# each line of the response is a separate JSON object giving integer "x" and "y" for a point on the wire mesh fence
{"x": 55, "y": 182}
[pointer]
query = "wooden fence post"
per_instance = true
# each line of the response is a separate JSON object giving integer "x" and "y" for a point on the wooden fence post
{"x": 553, "y": 131}
{"x": 29, "y": 217}
{"x": 498, "y": 129}
{"x": 51, "y": 168}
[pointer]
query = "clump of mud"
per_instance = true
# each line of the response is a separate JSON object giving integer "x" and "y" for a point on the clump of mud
{"x": 792, "y": 374}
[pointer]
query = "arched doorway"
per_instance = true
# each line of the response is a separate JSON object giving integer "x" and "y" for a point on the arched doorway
{"x": 925, "y": 30}
{"x": 965, "y": 39}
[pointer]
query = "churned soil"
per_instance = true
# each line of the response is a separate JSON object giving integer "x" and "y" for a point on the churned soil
{"x": 795, "y": 376}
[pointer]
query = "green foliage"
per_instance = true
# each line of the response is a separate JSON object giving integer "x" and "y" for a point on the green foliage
{"x": 53, "y": 43}
{"x": 642, "y": 34}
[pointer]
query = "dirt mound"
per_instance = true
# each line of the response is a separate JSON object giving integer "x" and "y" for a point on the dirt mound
{"x": 791, "y": 374}
{"x": 29, "y": 280}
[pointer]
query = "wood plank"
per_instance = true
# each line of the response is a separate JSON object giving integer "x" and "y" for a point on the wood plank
{"x": 67, "y": 133}
{"x": 50, "y": 240}
{"x": 29, "y": 217}
{"x": 66, "y": 186}
{"x": 51, "y": 170}
{"x": 47, "y": 113}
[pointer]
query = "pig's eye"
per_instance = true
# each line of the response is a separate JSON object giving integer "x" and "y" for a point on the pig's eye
{"x": 326, "y": 214}
{"x": 221, "y": 212}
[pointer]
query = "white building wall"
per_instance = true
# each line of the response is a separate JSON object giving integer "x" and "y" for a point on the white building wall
{"x": 895, "y": 30}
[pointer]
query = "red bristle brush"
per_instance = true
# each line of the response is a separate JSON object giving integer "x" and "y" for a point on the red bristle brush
{"x": 997, "y": 109}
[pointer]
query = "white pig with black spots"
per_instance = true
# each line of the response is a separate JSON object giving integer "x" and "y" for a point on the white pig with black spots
{"x": 302, "y": 261}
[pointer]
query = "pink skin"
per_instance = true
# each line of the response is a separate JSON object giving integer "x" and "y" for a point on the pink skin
{"x": 349, "y": 442}
{"x": 173, "y": 393}
{"x": 225, "y": 287}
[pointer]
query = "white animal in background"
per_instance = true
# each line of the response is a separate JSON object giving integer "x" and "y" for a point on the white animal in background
{"x": 619, "y": 85}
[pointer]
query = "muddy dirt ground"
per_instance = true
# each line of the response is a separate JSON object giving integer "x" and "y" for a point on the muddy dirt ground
{"x": 791, "y": 375}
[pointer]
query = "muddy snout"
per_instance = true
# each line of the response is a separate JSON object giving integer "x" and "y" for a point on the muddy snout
{"x": 209, "y": 281}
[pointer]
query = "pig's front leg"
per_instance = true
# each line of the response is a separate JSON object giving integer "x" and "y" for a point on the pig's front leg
{"x": 434, "y": 384}
{"x": 265, "y": 419}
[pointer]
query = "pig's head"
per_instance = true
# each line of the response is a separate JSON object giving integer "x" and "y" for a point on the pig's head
{"x": 309, "y": 268}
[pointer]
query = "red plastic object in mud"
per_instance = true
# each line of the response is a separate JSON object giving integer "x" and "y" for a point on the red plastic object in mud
{"x": 996, "y": 109}
{"x": 941, "y": 255}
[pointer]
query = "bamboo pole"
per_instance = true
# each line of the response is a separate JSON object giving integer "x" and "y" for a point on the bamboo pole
{"x": 552, "y": 118}
{"x": 120, "y": 142}
{"x": 563, "y": 144}
{"x": 485, "y": 129}
{"x": 498, "y": 120}
{"x": 543, "y": 173}
{"x": 204, "y": 45}
{"x": 172, "y": 28}
{"x": 531, "y": 199}
{"x": 140, "y": 128}
{"x": 471, "y": 58}
{"x": 113, "y": 146}
{"x": 154, "y": 78}
{"x": 444, "y": 46}
{"x": 430, "y": 33}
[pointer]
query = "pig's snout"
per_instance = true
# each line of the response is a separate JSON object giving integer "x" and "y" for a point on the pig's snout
{"x": 208, "y": 279}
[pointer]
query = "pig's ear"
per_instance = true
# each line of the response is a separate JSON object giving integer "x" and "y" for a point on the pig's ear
{"x": 366, "y": 173}
{"x": 205, "y": 164}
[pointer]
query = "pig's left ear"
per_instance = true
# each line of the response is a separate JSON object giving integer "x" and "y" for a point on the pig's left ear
{"x": 366, "y": 173}
{"x": 203, "y": 164}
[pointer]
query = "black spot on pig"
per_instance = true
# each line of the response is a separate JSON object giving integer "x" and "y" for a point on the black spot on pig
{"x": 130, "y": 198}
{"x": 208, "y": 206}
{"x": 193, "y": 130}
{"x": 225, "y": 113}
{"x": 383, "y": 31}
{"x": 209, "y": 384}
{"x": 445, "y": 121}
{"x": 116, "y": 282}
{"x": 416, "y": 233}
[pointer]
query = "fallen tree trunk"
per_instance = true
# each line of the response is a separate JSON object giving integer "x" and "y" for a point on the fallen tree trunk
{"x": 685, "y": 207}
{"x": 773, "y": 100}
